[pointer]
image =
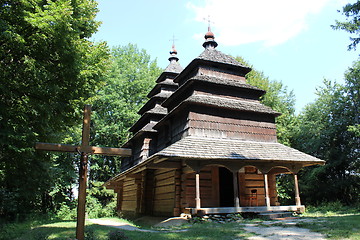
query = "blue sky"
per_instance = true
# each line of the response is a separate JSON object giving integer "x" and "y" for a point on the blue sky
{"x": 289, "y": 40}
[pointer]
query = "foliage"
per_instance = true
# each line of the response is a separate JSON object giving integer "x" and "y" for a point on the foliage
{"x": 285, "y": 189}
{"x": 323, "y": 131}
{"x": 352, "y": 23}
{"x": 100, "y": 202}
{"x": 131, "y": 77}
{"x": 117, "y": 235}
{"x": 66, "y": 212}
{"x": 48, "y": 68}
{"x": 278, "y": 98}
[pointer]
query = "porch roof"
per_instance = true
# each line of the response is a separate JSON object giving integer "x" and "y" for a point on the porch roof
{"x": 234, "y": 149}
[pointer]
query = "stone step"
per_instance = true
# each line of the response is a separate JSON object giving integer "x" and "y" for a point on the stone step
{"x": 274, "y": 215}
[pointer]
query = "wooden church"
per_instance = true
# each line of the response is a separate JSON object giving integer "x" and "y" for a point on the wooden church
{"x": 204, "y": 144}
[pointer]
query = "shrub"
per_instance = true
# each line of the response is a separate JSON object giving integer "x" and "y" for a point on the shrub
{"x": 117, "y": 235}
{"x": 66, "y": 213}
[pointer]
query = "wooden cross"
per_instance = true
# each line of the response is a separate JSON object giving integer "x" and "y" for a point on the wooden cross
{"x": 84, "y": 149}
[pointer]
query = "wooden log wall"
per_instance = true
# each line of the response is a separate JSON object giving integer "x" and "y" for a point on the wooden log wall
{"x": 172, "y": 132}
{"x": 164, "y": 192}
{"x": 227, "y": 127}
{"x": 209, "y": 188}
{"x": 129, "y": 197}
{"x": 252, "y": 179}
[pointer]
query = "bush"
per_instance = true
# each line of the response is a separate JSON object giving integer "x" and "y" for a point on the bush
{"x": 117, "y": 235}
{"x": 66, "y": 213}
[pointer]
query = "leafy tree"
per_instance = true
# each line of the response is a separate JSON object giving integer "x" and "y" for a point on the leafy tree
{"x": 326, "y": 130}
{"x": 352, "y": 23}
{"x": 278, "y": 98}
{"x": 131, "y": 77}
{"x": 48, "y": 68}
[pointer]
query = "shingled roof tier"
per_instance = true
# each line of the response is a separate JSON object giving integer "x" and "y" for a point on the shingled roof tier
{"x": 229, "y": 103}
{"x": 223, "y": 82}
{"x": 158, "y": 112}
{"x": 233, "y": 149}
{"x": 158, "y": 98}
{"x": 173, "y": 67}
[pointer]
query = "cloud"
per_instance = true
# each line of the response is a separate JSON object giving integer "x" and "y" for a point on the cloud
{"x": 271, "y": 22}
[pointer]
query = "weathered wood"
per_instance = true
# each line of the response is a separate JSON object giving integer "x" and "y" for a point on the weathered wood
{"x": 84, "y": 149}
{"x": 107, "y": 151}
{"x": 197, "y": 190}
{"x": 236, "y": 189}
{"x": 297, "y": 193}
{"x": 266, "y": 186}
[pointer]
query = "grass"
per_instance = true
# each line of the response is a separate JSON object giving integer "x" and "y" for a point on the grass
{"x": 65, "y": 230}
{"x": 335, "y": 222}
{"x": 340, "y": 223}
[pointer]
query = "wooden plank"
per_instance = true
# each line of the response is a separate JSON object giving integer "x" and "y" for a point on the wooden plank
{"x": 56, "y": 147}
{"x": 85, "y": 139}
{"x": 108, "y": 151}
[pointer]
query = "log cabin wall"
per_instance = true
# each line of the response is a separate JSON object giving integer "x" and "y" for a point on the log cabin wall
{"x": 233, "y": 125}
{"x": 251, "y": 179}
{"x": 173, "y": 131}
{"x": 129, "y": 197}
{"x": 164, "y": 192}
{"x": 209, "y": 188}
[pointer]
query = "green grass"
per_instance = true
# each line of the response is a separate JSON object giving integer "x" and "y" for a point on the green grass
{"x": 66, "y": 230}
{"x": 334, "y": 220}
{"x": 335, "y": 226}
{"x": 341, "y": 223}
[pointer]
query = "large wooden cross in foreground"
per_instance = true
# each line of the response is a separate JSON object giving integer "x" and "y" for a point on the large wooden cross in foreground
{"x": 84, "y": 149}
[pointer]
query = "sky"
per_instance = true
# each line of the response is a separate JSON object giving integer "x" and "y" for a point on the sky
{"x": 288, "y": 40}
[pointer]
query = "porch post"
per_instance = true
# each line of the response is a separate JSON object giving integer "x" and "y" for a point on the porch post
{"x": 297, "y": 194}
{"x": 236, "y": 189}
{"x": 197, "y": 189}
{"x": 267, "y": 198}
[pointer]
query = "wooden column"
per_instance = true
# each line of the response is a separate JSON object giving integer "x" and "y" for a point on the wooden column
{"x": 267, "y": 198}
{"x": 197, "y": 190}
{"x": 297, "y": 193}
{"x": 236, "y": 190}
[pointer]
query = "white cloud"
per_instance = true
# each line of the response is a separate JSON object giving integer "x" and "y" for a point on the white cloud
{"x": 271, "y": 22}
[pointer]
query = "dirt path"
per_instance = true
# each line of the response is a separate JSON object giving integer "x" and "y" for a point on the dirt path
{"x": 281, "y": 230}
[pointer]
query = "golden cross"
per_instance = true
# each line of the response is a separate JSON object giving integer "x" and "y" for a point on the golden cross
{"x": 84, "y": 149}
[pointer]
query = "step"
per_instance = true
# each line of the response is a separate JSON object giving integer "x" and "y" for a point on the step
{"x": 274, "y": 215}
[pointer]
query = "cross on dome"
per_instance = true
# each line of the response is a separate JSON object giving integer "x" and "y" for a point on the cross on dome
{"x": 209, "y": 37}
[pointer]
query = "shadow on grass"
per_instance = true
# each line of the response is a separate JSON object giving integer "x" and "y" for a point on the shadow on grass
{"x": 336, "y": 227}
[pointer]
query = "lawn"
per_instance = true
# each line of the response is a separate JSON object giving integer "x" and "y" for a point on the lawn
{"x": 65, "y": 230}
{"x": 334, "y": 224}
{"x": 344, "y": 224}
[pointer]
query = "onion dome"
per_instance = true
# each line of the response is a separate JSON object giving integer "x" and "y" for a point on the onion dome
{"x": 173, "y": 55}
{"x": 209, "y": 40}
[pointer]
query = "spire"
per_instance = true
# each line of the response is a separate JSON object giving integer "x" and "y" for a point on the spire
{"x": 173, "y": 53}
{"x": 209, "y": 38}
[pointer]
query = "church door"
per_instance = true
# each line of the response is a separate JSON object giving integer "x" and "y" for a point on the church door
{"x": 226, "y": 187}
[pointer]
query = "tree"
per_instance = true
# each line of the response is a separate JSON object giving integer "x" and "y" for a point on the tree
{"x": 352, "y": 23}
{"x": 325, "y": 131}
{"x": 48, "y": 68}
{"x": 131, "y": 77}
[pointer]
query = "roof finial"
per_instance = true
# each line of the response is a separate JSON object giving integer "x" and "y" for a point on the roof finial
{"x": 173, "y": 52}
{"x": 209, "y": 37}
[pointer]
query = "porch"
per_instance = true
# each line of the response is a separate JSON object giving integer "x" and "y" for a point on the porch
{"x": 260, "y": 209}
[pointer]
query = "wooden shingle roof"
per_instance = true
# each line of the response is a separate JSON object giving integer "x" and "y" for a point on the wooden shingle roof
{"x": 233, "y": 149}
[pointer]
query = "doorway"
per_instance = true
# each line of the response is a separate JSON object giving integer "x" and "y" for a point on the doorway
{"x": 226, "y": 187}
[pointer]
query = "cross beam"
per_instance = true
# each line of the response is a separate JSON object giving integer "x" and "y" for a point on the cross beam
{"x": 84, "y": 149}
